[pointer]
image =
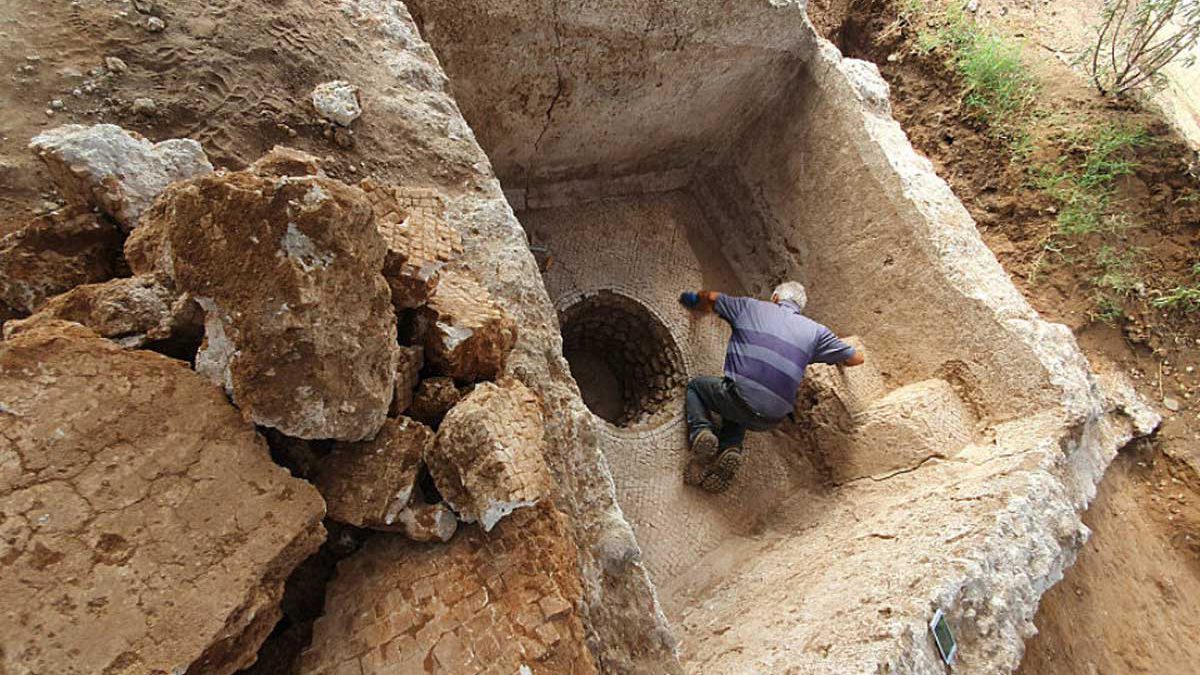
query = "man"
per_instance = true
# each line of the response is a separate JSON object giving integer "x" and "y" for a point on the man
{"x": 771, "y": 345}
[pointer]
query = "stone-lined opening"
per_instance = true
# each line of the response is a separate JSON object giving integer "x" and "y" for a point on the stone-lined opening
{"x": 627, "y": 364}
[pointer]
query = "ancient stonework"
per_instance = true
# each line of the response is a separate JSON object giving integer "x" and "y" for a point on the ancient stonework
{"x": 420, "y": 242}
{"x": 433, "y": 399}
{"x": 53, "y": 254}
{"x": 501, "y": 603}
{"x": 408, "y": 374}
{"x": 299, "y": 326}
{"x": 487, "y": 457}
{"x": 115, "y": 170}
{"x": 467, "y": 334}
{"x": 132, "y": 311}
{"x": 145, "y": 528}
{"x": 428, "y": 522}
{"x": 368, "y": 484}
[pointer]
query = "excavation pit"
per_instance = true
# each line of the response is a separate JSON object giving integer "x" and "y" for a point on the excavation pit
{"x": 628, "y": 367}
{"x": 651, "y": 148}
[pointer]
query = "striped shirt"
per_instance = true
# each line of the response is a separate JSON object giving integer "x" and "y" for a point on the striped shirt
{"x": 770, "y": 348}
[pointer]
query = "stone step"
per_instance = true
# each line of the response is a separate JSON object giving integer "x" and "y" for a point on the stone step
{"x": 898, "y": 431}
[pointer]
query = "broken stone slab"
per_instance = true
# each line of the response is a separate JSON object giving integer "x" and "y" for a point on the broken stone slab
{"x": 419, "y": 239}
{"x": 408, "y": 375}
{"x": 54, "y": 254}
{"x": 132, "y": 311}
{"x": 435, "y": 396}
{"x": 368, "y": 484}
{"x": 466, "y": 333}
{"x": 118, "y": 171}
{"x": 486, "y": 459}
{"x": 285, "y": 161}
{"x": 337, "y": 101}
{"x": 146, "y": 529}
{"x": 299, "y": 326}
{"x": 497, "y": 603}
{"x": 428, "y": 522}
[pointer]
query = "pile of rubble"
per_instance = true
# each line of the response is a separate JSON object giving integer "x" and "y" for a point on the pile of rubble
{"x": 168, "y": 319}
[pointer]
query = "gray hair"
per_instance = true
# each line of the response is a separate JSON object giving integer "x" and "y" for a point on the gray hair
{"x": 791, "y": 290}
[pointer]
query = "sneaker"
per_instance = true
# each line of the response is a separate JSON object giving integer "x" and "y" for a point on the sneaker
{"x": 721, "y": 476}
{"x": 704, "y": 449}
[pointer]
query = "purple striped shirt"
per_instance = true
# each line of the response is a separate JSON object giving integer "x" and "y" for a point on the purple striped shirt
{"x": 771, "y": 346}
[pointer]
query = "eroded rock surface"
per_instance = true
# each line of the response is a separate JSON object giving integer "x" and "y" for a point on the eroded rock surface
{"x": 499, "y": 604}
{"x": 408, "y": 374}
{"x": 420, "y": 242}
{"x": 54, "y": 254}
{"x": 132, "y": 311}
{"x": 487, "y": 457}
{"x": 285, "y": 161}
{"x": 435, "y": 396}
{"x": 368, "y": 484}
{"x": 115, "y": 170}
{"x": 337, "y": 102}
{"x": 145, "y": 528}
{"x": 299, "y": 326}
{"x": 467, "y": 334}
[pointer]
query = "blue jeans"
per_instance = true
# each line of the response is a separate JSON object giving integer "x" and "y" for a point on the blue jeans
{"x": 707, "y": 396}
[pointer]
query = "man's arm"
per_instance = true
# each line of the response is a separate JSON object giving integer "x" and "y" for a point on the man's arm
{"x": 701, "y": 301}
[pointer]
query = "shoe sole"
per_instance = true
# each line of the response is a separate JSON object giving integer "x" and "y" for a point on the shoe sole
{"x": 722, "y": 474}
{"x": 704, "y": 449}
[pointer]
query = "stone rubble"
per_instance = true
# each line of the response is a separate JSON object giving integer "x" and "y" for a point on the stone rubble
{"x": 433, "y": 399}
{"x": 299, "y": 327}
{"x": 466, "y": 333}
{"x": 54, "y": 254}
{"x": 408, "y": 375}
{"x": 368, "y": 484}
{"x": 146, "y": 529}
{"x": 486, "y": 459}
{"x": 117, "y": 171}
{"x": 496, "y": 604}
{"x": 337, "y": 102}
{"x": 284, "y": 161}
{"x": 133, "y": 311}
{"x": 420, "y": 242}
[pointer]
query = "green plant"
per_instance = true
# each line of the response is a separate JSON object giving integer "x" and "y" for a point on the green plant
{"x": 1108, "y": 309}
{"x": 1137, "y": 38}
{"x": 997, "y": 86}
{"x": 1183, "y": 297}
{"x": 1084, "y": 188}
{"x": 1117, "y": 272}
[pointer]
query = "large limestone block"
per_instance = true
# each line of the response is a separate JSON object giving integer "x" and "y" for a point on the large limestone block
{"x": 501, "y": 603}
{"x": 299, "y": 326}
{"x": 467, "y": 334}
{"x": 419, "y": 239}
{"x": 368, "y": 484}
{"x": 131, "y": 311}
{"x": 54, "y": 254}
{"x": 487, "y": 457}
{"x": 145, "y": 528}
{"x": 900, "y": 431}
{"x": 117, "y": 171}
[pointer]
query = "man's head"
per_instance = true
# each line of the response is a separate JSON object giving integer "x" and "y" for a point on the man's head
{"x": 791, "y": 290}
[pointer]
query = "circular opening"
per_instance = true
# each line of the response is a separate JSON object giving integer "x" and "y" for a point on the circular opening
{"x": 624, "y": 359}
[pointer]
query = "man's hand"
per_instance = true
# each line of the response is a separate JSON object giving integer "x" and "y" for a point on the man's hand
{"x": 702, "y": 301}
{"x": 857, "y": 360}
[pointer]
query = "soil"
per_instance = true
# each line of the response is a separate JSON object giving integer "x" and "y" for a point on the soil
{"x": 1127, "y": 606}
